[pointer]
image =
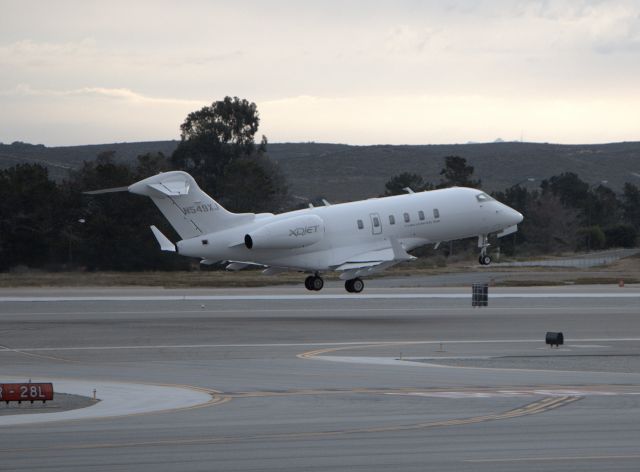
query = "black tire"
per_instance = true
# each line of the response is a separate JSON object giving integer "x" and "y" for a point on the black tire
{"x": 357, "y": 284}
{"x": 480, "y": 260}
{"x": 317, "y": 283}
{"x": 348, "y": 285}
{"x": 486, "y": 260}
{"x": 308, "y": 282}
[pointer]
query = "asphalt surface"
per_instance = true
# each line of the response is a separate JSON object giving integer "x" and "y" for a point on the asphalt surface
{"x": 414, "y": 379}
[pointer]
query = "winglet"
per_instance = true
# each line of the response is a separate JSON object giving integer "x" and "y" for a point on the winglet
{"x": 165, "y": 244}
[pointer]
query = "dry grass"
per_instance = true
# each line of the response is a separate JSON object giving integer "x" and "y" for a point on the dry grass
{"x": 576, "y": 281}
{"x": 627, "y": 269}
{"x": 146, "y": 279}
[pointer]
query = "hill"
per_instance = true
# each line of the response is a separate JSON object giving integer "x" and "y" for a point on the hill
{"x": 341, "y": 172}
{"x": 61, "y": 159}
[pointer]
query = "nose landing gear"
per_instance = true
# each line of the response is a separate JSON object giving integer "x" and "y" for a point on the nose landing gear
{"x": 484, "y": 260}
{"x": 483, "y": 244}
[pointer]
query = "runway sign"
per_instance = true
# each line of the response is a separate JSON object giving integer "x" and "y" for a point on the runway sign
{"x": 26, "y": 392}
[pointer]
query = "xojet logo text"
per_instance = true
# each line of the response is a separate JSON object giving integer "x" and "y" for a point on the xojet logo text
{"x": 301, "y": 231}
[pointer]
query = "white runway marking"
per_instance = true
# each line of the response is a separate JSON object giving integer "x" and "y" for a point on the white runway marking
{"x": 211, "y": 310}
{"x": 303, "y": 345}
{"x": 588, "y": 346}
{"x": 311, "y": 297}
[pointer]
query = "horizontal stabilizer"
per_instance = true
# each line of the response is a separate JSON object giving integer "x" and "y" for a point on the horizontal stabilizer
{"x": 163, "y": 241}
{"x": 172, "y": 188}
{"x": 107, "y": 190}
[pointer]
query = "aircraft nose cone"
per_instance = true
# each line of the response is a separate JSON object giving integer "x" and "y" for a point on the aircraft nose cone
{"x": 517, "y": 217}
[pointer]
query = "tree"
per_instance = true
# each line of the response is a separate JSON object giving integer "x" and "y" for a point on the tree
{"x": 231, "y": 121}
{"x": 591, "y": 237}
{"x": 32, "y": 214}
{"x": 253, "y": 185}
{"x": 456, "y": 172}
{"x": 217, "y": 145}
{"x": 549, "y": 225}
{"x": 516, "y": 197}
{"x": 397, "y": 184}
{"x": 214, "y": 136}
{"x": 567, "y": 186}
{"x": 631, "y": 205}
{"x": 520, "y": 199}
{"x": 621, "y": 236}
{"x": 150, "y": 164}
{"x": 602, "y": 207}
{"x": 115, "y": 234}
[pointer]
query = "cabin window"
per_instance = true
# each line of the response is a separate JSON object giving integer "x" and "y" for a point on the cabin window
{"x": 421, "y": 215}
{"x": 376, "y": 222}
{"x": 407, "y": 218}
{"x": 392, "y": 220}
{"x": 205, "y": 242}
{"x": 360, "y": 224}
{"x": 436, "y": 213}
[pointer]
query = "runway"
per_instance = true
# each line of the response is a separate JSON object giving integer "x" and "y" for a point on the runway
{"x": 399, "y": 379}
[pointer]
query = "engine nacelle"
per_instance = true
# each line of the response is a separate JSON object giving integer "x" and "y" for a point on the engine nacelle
{"x": 292, "y": 233}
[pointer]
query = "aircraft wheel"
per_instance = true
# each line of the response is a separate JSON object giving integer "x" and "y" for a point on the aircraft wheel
{"x": 308, "y": 282}
{"x": 357, "y": 284}
{"x": 486, "y": 260}
{"x": 317, "y": 283}
{"x": 480, "y": 260}
{"x": 348, "y": 285}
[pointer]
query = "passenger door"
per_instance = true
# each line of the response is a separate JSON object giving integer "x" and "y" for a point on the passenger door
{"x": 376, "y": 223}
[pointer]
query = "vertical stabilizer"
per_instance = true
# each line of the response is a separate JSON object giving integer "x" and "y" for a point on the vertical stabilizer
{"x": 190, "y": 211}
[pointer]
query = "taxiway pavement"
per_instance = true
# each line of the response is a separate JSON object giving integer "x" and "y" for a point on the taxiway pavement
{"x": 394, "y": 379}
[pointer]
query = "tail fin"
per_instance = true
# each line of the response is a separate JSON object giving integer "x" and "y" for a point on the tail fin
{"x": 190, "y": 211}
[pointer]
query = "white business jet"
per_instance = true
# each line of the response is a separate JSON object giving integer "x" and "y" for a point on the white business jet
{"x": 356, "y": 239}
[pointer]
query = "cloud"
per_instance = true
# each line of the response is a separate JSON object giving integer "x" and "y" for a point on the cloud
{"x": 32, "y": 53}
{"x": 313, "y": 68}
{"x": 99, "y": 92}
{"x": 439, "y": 119}
{"x": 87, "y": 115}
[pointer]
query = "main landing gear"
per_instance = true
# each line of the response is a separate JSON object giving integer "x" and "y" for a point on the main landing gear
{"x": 314, "y": 283}
{"x": 354, "y": 285}
{"x": 483, "y": 244}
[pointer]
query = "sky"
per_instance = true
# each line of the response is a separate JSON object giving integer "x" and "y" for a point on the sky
{"x": 355, "y": 72}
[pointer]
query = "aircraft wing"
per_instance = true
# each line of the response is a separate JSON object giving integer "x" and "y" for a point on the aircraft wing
{"x": 367, "y": 263}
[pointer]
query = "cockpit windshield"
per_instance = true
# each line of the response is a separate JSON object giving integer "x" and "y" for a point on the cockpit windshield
{"x": 483, "y": 197}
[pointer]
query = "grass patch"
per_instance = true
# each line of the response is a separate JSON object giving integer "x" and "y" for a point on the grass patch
{"x": 218, "y": 279}
{"x": 576, "y": 281}
{"x": 605, "y": 280}
{"x": 528, "y": 283}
